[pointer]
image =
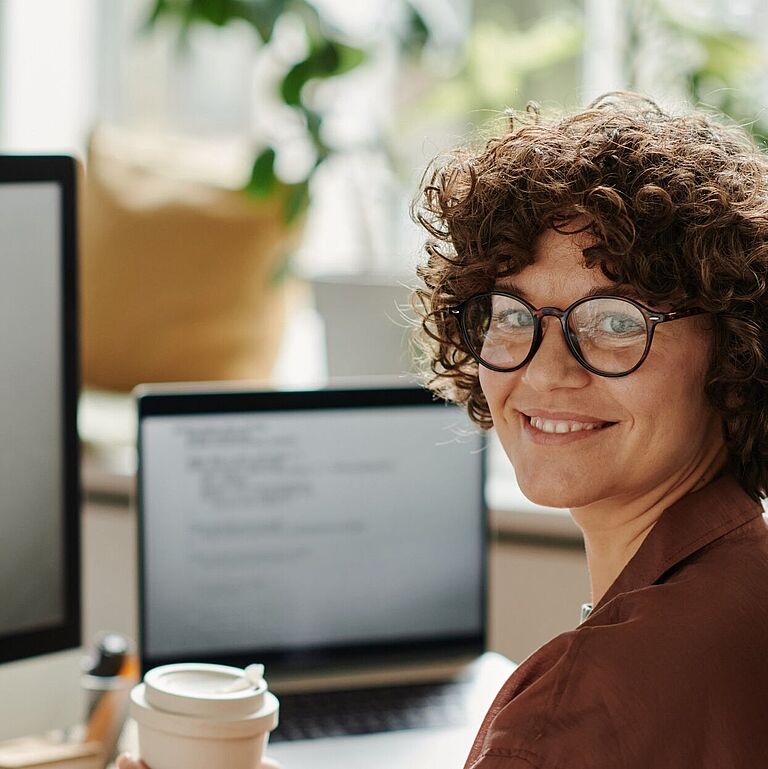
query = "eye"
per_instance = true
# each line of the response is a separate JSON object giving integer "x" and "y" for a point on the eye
{"x": 513, "y": 319}
{"x": 619, "y": 325}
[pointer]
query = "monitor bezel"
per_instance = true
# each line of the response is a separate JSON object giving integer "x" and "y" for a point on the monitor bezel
{"x": 63, "y": 171}
{"x": 164, "y": 401}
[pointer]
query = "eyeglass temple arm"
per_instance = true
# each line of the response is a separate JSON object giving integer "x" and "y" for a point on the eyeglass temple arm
{"x": 662, "y": 317}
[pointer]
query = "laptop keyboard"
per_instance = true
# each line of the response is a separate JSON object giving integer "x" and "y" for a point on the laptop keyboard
{"x": 366, "y": 711}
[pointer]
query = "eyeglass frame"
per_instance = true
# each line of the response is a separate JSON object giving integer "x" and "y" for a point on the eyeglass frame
{"x": 652, "y": 319}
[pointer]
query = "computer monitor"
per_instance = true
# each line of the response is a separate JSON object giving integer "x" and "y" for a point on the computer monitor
{"x": 39, "y": 469}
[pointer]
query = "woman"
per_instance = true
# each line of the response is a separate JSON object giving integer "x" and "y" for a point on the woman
{"x": 595, "y": 290}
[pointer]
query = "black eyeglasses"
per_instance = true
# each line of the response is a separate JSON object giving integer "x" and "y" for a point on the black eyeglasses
{"x": 608, "y": 335}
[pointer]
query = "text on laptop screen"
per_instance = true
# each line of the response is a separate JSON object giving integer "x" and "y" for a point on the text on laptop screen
{"x": 301, "y": 529}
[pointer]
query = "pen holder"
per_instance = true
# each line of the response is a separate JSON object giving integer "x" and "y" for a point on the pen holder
{"x": 107, "y": 682}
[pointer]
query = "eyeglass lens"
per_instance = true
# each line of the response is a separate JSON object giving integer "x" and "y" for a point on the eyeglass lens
{"x": 610, "y": 333}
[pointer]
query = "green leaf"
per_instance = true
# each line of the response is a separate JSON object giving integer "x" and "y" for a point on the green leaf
{"x": 314, "y": 129}
{"x": 263, "y": 180}
{"x": 215, "y": 12}
{"x": 294, "y": 81}
{"x": 160, "y": 9}
{"x": 260, "y": 14}
{"x": 417, "y": 32}
{"x": 314, "y": 125}
{"x": 282, "y": 269}
{"x": 326, "y": 58}
{"x": 348, "y": 58}
{"x": 296, "y": 202}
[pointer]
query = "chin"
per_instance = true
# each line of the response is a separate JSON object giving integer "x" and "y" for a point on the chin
{"x": 563, "y": 494}
{"x": 548, "y": 499}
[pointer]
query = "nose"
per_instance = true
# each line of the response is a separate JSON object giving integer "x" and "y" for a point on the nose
{"x": 553, "y": 364}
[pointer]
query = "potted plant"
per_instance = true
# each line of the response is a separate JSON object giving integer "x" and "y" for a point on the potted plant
{"x": 184, "y": 279}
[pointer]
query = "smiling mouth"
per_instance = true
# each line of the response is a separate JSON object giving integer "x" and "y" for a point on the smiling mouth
{"x": 561, "y": 426}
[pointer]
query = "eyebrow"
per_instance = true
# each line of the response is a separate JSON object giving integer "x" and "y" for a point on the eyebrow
{"x": 610, "y": 290}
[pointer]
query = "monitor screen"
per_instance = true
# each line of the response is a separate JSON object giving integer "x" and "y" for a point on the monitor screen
{"x": 39, "y": 549}
{"x": 276, "y": 531}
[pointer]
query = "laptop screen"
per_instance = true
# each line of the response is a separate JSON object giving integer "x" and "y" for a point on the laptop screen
{"x": 303, "y": 527}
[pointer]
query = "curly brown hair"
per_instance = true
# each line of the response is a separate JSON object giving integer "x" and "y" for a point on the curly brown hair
{"x": 677, "y": 207}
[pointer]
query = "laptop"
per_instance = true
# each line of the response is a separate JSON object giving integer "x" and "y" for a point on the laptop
{"x": 339, "y": 537}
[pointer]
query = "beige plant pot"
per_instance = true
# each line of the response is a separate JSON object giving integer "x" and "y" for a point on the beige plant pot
{"x": 178, "y": 274}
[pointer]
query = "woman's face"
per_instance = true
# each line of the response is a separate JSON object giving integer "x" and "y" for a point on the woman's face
{"x": 661, "y": 425}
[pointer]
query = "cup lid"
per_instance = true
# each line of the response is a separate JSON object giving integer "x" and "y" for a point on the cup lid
{"x": 263, "y": 720}
{"x": 207, "y": 691}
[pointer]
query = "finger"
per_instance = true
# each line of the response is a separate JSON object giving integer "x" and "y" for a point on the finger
{"x": 269, "y": 763}
{"x": 126, "y": 761}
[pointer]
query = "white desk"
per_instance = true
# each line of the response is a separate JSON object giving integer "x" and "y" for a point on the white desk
{"x": 413, "y": 749}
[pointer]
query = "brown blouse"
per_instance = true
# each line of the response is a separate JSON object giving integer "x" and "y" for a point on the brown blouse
{"x": 669, "y": 671}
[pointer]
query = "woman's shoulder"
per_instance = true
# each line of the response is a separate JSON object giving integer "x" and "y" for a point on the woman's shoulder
{"x": 706, "y": 617}
{"x": 727, "y": 580}
{"x": 713, "y": 605}
{"x": 672, "y": 673}
{"x": 652, "y": 676}
{"x": 728, "y": 575}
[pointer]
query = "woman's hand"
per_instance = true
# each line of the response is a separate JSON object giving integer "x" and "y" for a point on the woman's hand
{"x": 129, "y": 762}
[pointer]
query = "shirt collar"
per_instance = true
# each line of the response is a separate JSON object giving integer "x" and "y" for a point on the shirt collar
{"x": 691, "y": 523}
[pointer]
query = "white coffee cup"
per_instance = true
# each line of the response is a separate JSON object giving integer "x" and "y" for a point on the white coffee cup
{"x": 198, "y": 716}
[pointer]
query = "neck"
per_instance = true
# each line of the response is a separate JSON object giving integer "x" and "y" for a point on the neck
{"x": 614, "y": 528}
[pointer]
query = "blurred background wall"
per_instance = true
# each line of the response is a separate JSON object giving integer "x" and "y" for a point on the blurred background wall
{"x": 67, "y": 67}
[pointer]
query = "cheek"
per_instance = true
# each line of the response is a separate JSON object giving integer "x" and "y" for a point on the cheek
{"x": 496, "y": 387}
{"x": 666, "y": 396}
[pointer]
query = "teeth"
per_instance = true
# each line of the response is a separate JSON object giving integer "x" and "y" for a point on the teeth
{"x": 562, "y": 426}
